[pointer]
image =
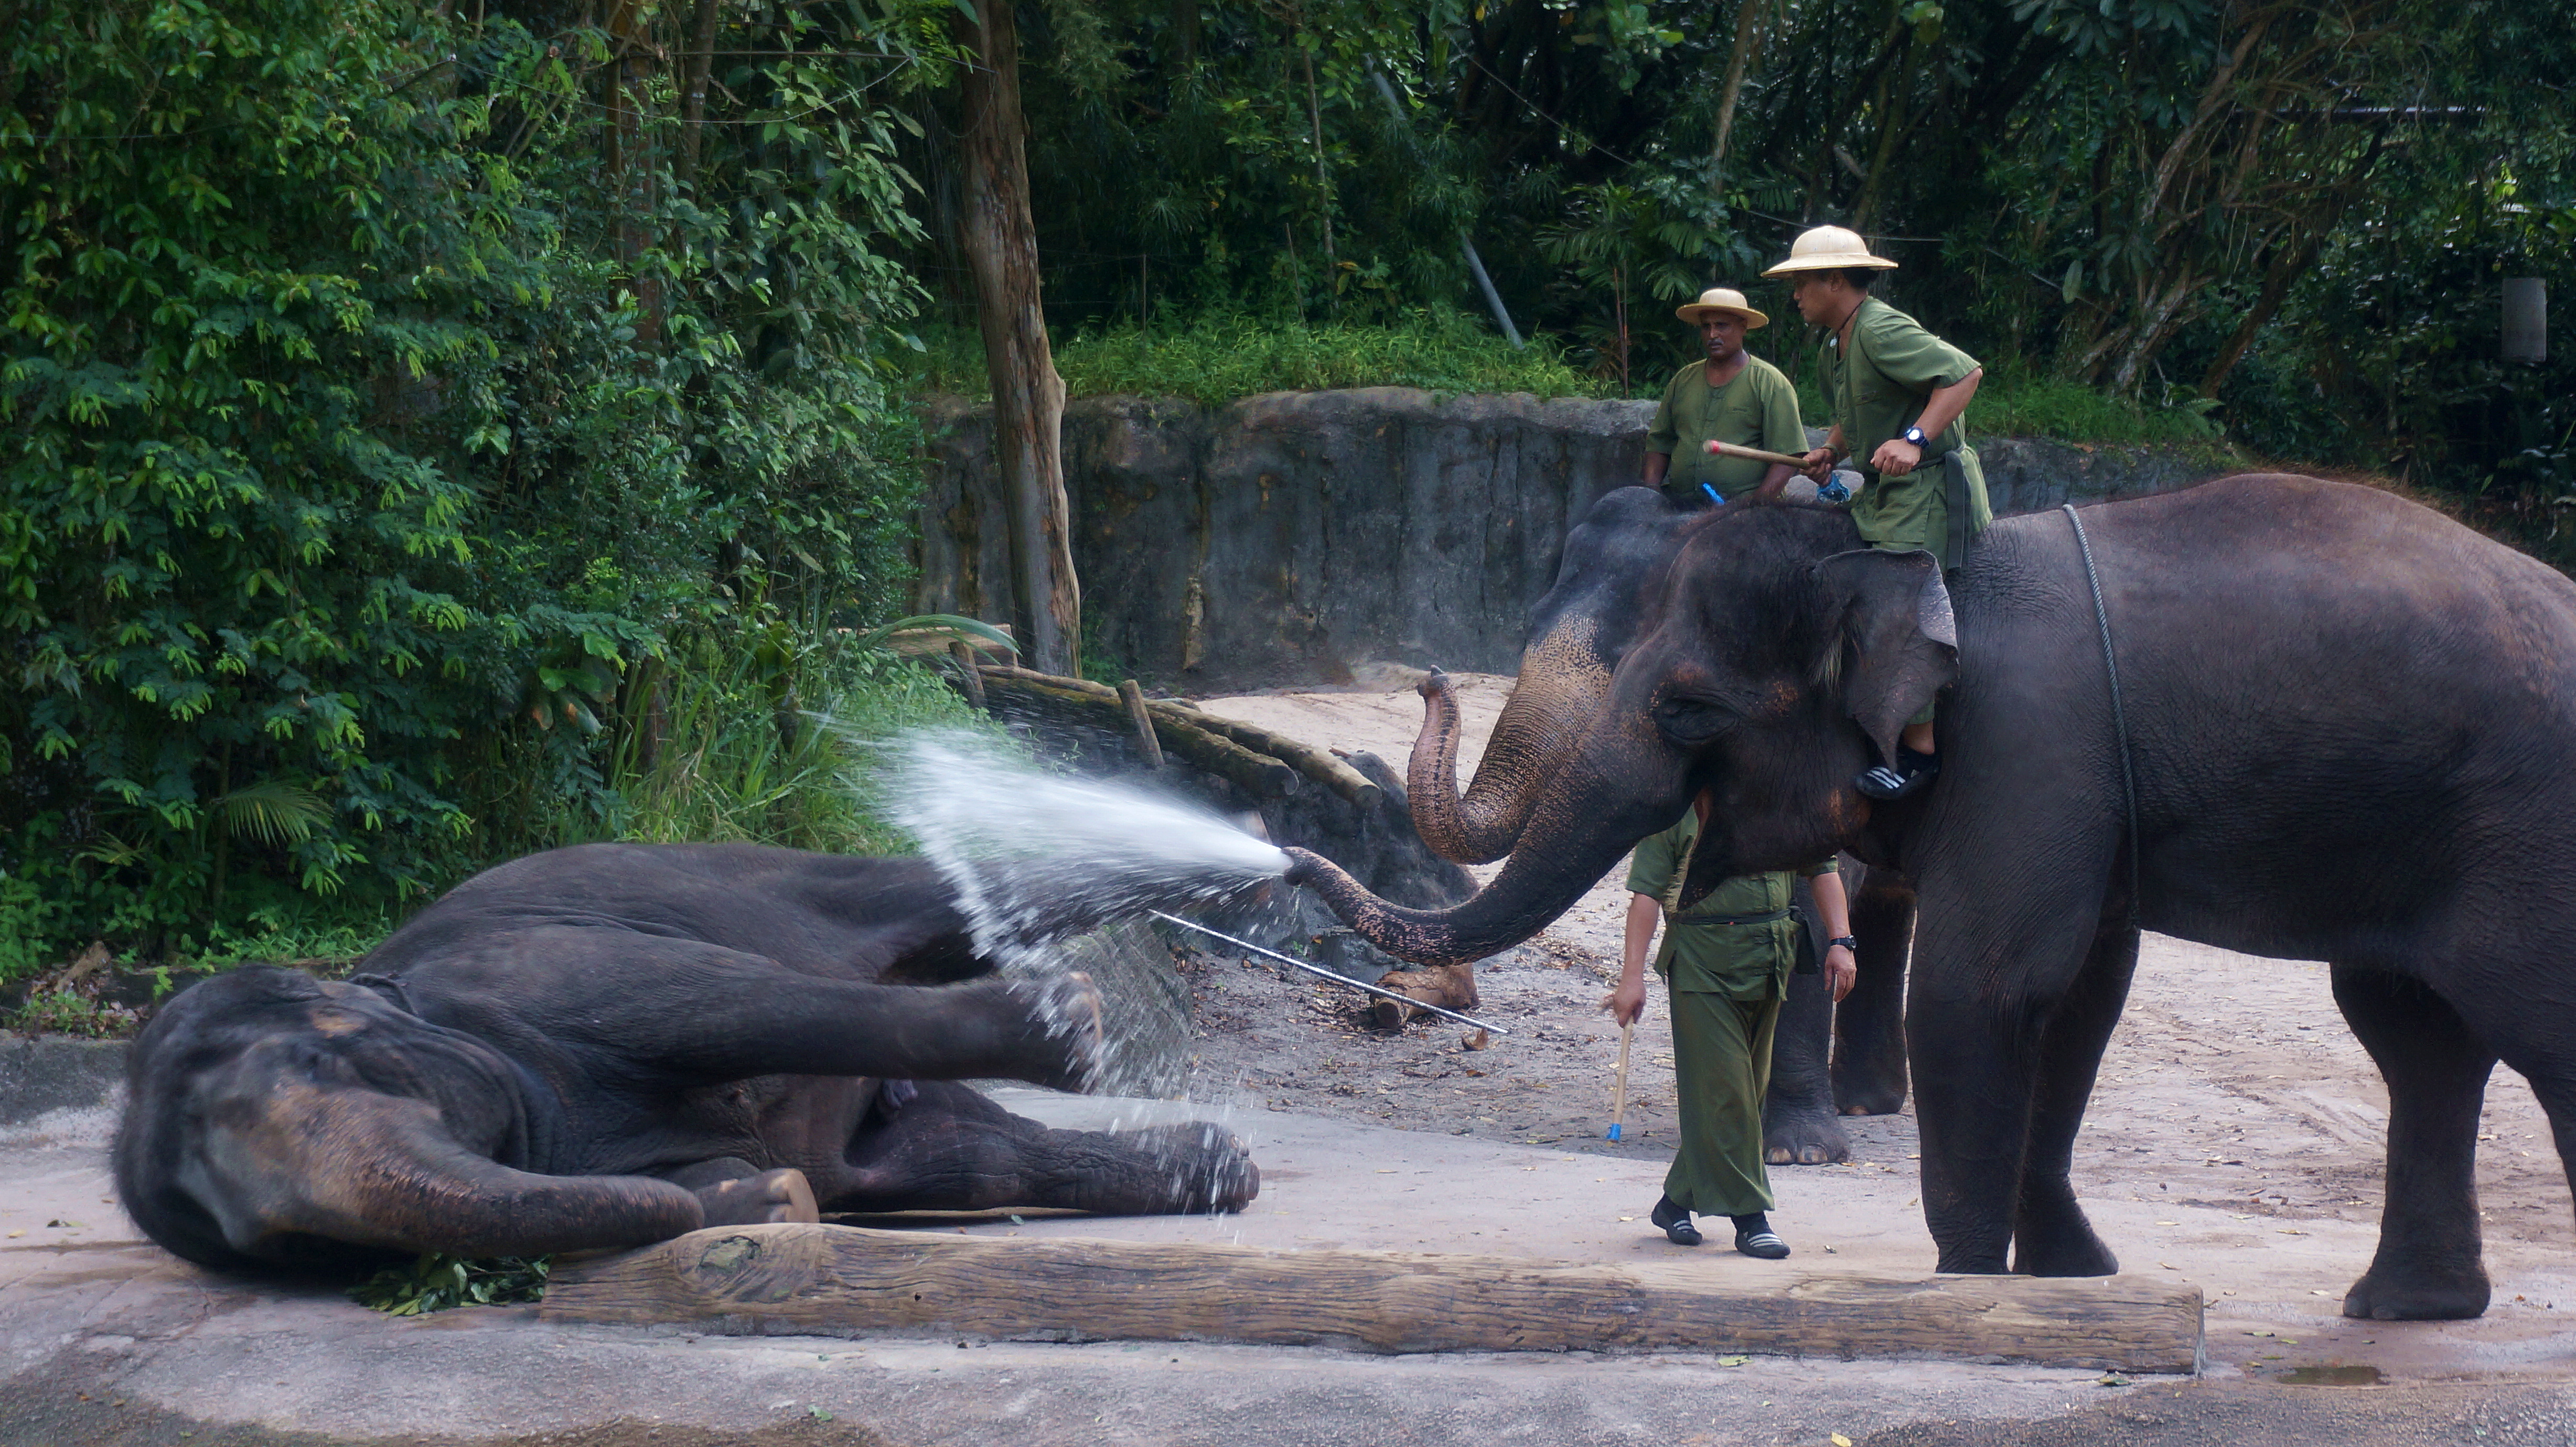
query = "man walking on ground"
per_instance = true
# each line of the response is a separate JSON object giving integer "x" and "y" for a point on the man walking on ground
{"x": 1730, "y": 395}
{"x": 1897, "y": 393}
{"x": 1727, "y": 959}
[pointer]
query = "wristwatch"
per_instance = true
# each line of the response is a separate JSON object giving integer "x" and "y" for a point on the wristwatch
{"x": 1915, "y": 436}
{"x": 1846, "y": 941}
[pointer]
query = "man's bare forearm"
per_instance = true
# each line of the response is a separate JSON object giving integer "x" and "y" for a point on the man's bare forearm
{"x": 1657, "y": 464}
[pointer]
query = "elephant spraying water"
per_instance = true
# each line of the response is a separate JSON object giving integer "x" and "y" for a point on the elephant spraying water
{"x": 2351, "y": 727}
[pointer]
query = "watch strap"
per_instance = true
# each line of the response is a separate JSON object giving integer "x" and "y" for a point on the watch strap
{"x": 1846, "y": 941}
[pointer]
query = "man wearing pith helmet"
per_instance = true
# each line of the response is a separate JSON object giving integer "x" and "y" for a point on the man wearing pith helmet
{"x": 1729, "y": 395}
{"x": 1897, "y": 393}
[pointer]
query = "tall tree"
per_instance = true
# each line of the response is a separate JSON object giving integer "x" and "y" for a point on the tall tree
{"x": 1001, "y": 246}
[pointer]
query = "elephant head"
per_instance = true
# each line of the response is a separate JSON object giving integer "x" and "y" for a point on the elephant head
{"x": 1577, "y": 634}
{"x": 1772, "y": 656}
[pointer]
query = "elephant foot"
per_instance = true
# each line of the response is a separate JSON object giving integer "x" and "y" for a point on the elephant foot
{"x": 2421, "y": 1295}
{"x": 1869, "y": 1098}
{"x": 768, "y": 1199}
{"x": 1808, "y": 1138}
{"x": 2054, "y": 1239}
{"x": 1167, "y": 1170}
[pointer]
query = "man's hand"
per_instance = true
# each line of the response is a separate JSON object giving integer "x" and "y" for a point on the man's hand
{"x": 1896, "y": 457}
{"x": 1841, "y": 971}
{"x": 1628, "y": 1002}
{"x": 1819, "y": 463}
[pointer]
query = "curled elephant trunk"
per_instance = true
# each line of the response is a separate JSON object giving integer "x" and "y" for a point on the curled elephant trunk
{"x": 1583, "y": 826}
{"x": 1550, "y": 706}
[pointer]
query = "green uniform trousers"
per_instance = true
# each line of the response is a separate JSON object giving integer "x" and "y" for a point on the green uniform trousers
{"x": 1721, "y": 1069}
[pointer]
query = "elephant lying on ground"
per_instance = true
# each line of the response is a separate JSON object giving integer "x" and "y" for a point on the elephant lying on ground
{"x": 2352, "y": 729}
{"x": 614, "y": 1044}
{"x": 1577, "y": 634}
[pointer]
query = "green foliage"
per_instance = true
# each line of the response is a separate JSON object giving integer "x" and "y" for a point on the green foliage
{"x": 441, "y": 1283}
{"x": 750, "y": 758}
{"x": 1221, "y": 357}
{"x": 378, "y": 409}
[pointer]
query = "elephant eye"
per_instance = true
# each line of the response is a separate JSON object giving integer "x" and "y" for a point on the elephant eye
{"x": 1691, "y": 718}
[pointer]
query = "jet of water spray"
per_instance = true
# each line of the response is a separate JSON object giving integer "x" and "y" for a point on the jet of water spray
{"x": 1035, "y": 856}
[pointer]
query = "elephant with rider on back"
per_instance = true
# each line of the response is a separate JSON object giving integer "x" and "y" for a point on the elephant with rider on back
{"x": 2344, "y": 729}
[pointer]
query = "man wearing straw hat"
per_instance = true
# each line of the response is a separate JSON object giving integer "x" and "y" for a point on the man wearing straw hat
{"x": 1897, "y": 393}
{"x": 1730, "y": 395}
{"x": 1727, "y": 960}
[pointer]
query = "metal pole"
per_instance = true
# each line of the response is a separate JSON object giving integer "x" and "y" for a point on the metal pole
{"x": 2526, "y": 319}
{"x": 1475, "y": 263}
{"x": 1329, "y": 975}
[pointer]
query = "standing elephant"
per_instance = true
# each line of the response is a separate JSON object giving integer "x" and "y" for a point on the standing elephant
{"x": 2351, "y": 727}
{"x": 613, "y": 1044}
{"x": 1577, "y": 635}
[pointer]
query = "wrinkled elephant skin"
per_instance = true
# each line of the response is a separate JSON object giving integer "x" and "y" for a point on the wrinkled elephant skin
{"x": 2353, "y": 729}
{"x": 614, "y": 1044}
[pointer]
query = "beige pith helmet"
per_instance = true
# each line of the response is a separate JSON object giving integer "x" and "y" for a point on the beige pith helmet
{"x": 1829, "y": 248}
{"x": 1721, "y": 299}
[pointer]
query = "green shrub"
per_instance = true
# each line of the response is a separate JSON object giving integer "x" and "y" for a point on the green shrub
{"x": 358, "y": 457}
{"x": 1221, "y": 357}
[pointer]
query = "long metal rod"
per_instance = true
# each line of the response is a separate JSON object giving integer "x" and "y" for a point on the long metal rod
{"x": 1329, "y": 975}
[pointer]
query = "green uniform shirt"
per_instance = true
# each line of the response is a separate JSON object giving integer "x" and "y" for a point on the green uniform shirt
{"x": 1877, "y": 388}
{"x": 1739, "y": 961}
{"x": 1756, "y": 408}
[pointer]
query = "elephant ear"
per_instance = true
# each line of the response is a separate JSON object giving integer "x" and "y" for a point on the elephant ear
{"x": 1904, "y": 643}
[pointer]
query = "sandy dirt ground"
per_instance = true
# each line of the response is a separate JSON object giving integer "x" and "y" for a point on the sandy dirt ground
{"x": 2236, "y": 1137}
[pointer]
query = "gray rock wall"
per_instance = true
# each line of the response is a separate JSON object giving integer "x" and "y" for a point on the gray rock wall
{"x": 1301, "y": 537}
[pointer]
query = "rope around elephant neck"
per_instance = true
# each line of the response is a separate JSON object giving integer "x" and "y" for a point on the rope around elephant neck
{"x": 2119, "y": 715}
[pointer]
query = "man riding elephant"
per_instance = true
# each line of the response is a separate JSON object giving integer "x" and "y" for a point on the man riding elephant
{"x": 1729, "y": 395}
{"x": 1898, "y": 395}
{"x": 617, "y": 1043}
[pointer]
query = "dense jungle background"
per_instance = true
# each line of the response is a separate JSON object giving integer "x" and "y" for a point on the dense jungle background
{"x": 437, "y": 431}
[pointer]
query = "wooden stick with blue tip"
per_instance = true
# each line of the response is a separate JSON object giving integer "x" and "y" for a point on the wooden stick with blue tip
{"x": 1619, "y": 1096}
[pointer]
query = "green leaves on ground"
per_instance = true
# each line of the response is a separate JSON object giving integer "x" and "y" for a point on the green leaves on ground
{"x": 441, "y": 1283}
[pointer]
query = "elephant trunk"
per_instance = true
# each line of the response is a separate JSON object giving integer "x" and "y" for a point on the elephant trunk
{"x": 1585, "y": 824}
{"x": 1560, "y": 689}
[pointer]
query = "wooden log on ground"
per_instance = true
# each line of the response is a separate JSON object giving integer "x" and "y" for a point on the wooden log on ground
{"x": 1451, "y": 987}
{"x": 847, "y": 1281}
{"x": 1259, "y": 774}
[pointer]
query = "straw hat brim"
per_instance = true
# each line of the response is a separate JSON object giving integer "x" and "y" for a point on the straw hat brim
{"x": 1832, "y": 261}
{"x": 1697, "y": 312}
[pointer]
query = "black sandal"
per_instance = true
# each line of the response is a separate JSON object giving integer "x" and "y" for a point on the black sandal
{"x": 1908, "y": 775}
{"x": 1675, "y": 1223}
{"x": 1754, "y": 1237}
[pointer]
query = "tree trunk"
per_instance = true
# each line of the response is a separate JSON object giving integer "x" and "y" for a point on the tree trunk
{"x": 1747, "y": 40}
{"x": 1001, "y": 246}
{"x": 693, "y": 89}
{"x": 630, "y": 169}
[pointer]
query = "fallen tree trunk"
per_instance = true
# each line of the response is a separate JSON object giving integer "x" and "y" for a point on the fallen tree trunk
{"x": 1259, "y": 775}
{"x": 1314, "y": 763}
{"x": 846, "y": 1280}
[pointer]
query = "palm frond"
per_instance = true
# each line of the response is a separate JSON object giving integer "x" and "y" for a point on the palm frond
{"x": 273, "y": 811}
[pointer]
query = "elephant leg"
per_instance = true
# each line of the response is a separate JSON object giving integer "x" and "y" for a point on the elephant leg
{"x": 1992, "y": 959}
{"x": 1799, "y": 1126}
{"x": 1869, "y": 1027}
{"x": 722, "y": 1014}
{"x": 2051, "y": 1236}
{"x": 954, "y": 1149}
{"x": 2428, "y": 1267}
